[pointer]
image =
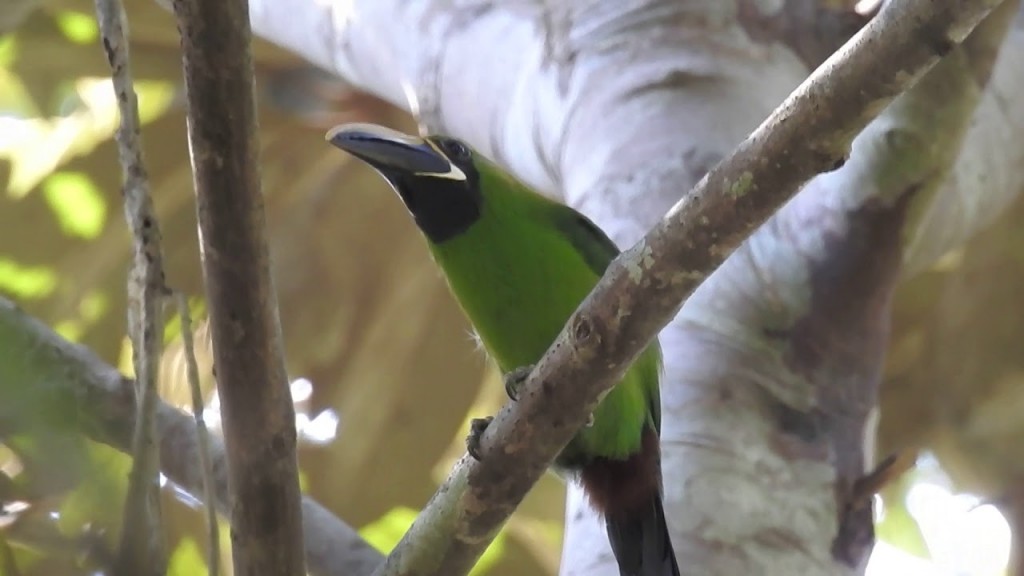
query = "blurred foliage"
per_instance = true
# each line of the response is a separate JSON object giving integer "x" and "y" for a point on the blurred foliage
{"x": 366, "y": 317}
{"x": 385, "y": 533}
{"x": 954, "y": 380}
{"x": 897, "y": 526}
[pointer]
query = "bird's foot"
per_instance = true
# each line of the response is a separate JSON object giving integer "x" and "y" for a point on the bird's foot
{"x": 515, "y": 379}
{"x": 590, "y": 421}
{"x": 476, "y": 432}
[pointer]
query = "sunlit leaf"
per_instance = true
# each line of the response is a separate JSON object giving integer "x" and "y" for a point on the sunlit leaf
{"x": 491, "y": 556}
{"x": 38, "y": 146}
{"x": 26, "y": 282}
{"x": 8, "y": 50}
{"x": 93, "y": 306}
{"x": 187, "y": 560}
{"x": 155, "y": 98}
{"x": 196, "y": 311}
{"x": 50, "y": 462}
{"x": 124, "y": 358}
{"x": 70, "y": 330}
{"x": 901, "y": 530}
{"x": 90, "y": 309}
{"x": 384, "y": 533}
{"x": 387, "y": 530}
{"x": 77, "y": 203}
{"x": 98, "y": 499}
{"x": 15, "y": 99}
{"x": 898, "y": 527}
{"x": 78, "y": 27}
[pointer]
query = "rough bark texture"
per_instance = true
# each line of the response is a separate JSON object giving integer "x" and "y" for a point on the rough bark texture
{"x": 620, "y": 109}
{"x": 141, "y": 551}
{"x": 258, "y": 416}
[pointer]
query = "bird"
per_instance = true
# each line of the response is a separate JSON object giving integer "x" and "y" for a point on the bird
{"x": 519, "y": 264}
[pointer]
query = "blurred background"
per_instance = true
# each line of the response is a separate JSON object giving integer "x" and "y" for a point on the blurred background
{"x": 386, "y": 376}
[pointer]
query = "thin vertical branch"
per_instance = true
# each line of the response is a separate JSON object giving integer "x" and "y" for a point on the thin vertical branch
{"x": 258, "y": 416}
{"x": 202, "y": 435}
{"x": 141, "y": 549}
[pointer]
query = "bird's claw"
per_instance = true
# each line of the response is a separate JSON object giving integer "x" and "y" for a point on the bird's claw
{"x": 476, "y": 432}
{"x": 515, "y": 379}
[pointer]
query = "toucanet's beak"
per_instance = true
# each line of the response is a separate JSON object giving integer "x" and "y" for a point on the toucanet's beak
{"x": 389, "y": 150}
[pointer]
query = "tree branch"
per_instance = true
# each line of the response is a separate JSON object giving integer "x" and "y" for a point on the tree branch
{"x": 796, "y": 321}
{"x": 642, "y": 290}
{"x": 43, "y": 374}
{"x": 141, "y": 550}
{"x": 202, "y": 435}
{"x": 568, "y": 104}
{"x": 258, "y": 416}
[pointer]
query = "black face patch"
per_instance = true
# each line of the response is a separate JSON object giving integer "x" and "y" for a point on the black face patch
{"x": 442, "y": 208}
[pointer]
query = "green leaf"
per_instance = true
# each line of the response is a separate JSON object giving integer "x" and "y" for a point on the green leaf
{"x": 187, "y": 560}
{"x": 8, "y": 50}
{"x": 491, "y": 556}
{"x": 196, "y": 311}
{"x": 901, "y": 530}
{"x": 77, "y": 203}
{"x": 91, "y": 308}
{"x": 37, "y": 146}
{"x": 78, "y": 27}
{"x": 385, "y": 533}
{"x": 15, "y": 100}
{"x": 898, "y": 527}
{"x": 99, "y": 499}
{"x": 155, "y": 98}
{"x": 26, "y": 282}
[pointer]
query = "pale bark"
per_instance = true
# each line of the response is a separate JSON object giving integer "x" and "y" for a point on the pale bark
{"x": 620, "y": 108}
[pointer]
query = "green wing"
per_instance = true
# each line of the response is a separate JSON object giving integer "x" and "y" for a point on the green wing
{"x": 598, "y": 251}
{"x": 597, "y": 248}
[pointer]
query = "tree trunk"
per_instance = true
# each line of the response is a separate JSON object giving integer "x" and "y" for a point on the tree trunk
{"x": 620, "y": 108}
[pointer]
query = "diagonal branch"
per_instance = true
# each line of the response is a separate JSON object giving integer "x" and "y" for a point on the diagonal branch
{"x": 258, "y": 416}
{"x": 42, "y": 373}
{"x": 642, "y": 290}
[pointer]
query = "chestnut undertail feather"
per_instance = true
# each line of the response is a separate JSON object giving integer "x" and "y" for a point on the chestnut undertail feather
{"x": 628, "y": 494}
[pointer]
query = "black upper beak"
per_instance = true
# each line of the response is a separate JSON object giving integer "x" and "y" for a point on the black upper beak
{"x": 388, "y": 150}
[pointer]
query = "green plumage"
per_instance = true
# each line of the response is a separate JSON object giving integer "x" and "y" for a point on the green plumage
{"x": 519, "y": 264}
{"x": 542, "y": 259}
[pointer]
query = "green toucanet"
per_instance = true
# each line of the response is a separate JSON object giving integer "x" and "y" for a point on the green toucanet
{"x": 519, "y": 265}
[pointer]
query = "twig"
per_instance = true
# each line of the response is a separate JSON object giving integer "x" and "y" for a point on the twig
{"x": 202, "y": 435}
{"x": 903, "y": 160}
{"x": 141, "y": 550}
{"x": 258, "y": 416}
{"x": 888, "y": 471}
{"x": 642, "y": 290}
{"x": 45, "y": 375}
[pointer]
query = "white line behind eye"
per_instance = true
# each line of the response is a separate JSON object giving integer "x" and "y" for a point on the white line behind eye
{"x": 454, "y": 172}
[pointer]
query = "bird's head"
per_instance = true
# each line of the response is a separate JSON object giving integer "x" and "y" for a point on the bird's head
{"x": 435, "y": 176}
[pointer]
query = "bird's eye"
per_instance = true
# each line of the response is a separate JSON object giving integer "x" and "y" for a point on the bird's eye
{"x": 455, "y": 150}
